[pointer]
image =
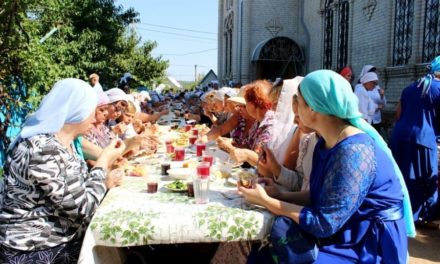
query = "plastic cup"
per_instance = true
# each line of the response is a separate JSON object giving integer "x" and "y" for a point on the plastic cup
{"x": 203, "y": 170}
{"x": 170, "y": 148}
{"x": 179, "y": 154}
{"x": 188, "y": 127}
{"x": 200, "y": 147}
{"x": 192, "y": 140}
{"x": 152, "y": 184}
{"x": 201, "y": 190}
{"x": 208, "y": 159}
{"x": 195, "y": 132}
{"x": 247, "y": 179}
{"x": 190, "y": 189}
{"x": 164, "y": 168}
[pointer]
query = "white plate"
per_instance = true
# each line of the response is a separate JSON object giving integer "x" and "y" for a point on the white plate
{"x": 180, "y": 173}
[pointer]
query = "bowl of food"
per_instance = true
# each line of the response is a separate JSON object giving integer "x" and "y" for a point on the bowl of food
{"x": 136, "y": 170}
{"x": 177, "y": 186}
{"x": 180, "y": 173}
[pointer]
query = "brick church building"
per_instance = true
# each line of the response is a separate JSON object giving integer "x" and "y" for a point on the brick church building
{"x": 265, "y": 39}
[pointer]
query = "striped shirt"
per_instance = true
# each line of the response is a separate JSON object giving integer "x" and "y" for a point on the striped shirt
{"x": 49, "y": 196}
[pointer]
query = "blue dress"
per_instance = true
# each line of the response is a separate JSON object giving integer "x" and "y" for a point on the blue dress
{"x": 413, "y": 143}
{"x": 356, "y": 204}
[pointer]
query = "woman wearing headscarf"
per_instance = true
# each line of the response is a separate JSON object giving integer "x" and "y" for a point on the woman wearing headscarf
{"x": 100, "y": 134}
{"x": 347, "y": 73}
{"x": 414, "y": 146}
{"x": 357, "y": 206}
{"x": 377, "y": 97}
{"x": 49, "y": 195}
{"x": 288, "y": 160}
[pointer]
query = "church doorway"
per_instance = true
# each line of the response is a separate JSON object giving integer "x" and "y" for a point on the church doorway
{"x": 277, "y": 57}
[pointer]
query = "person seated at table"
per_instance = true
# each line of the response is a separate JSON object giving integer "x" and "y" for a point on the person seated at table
{"x": 126, "y": 122}
{"x": 118, "y": 103}
{"x": 258, "y": 105}
{"x": 357, "y": 206}
{"x": 49, "y": 195}
{"x": 288, "y": 160}
{"x": 237, "y": 126}
{"x": 100, "y": 134}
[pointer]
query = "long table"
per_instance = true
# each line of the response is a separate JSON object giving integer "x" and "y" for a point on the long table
{"x": 129, "y": 216}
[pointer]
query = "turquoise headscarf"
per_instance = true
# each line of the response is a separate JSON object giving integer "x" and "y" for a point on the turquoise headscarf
{"x": 427, "y": 79}
{"x": 329, "y": 93}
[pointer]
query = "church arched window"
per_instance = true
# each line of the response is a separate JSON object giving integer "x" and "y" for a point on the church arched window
{"x": 403, "y": 27}
{"x": 343, "y": 34}
{"x": 229, "y": 25}
{"x": 431, "y": 34}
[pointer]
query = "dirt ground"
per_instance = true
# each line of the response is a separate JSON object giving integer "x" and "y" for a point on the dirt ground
{"x": 425, "y": 248}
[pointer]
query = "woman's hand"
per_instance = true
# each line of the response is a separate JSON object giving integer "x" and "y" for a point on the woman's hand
{"x": 225, "y": 144}
{"x": 119, "y": 163}
{"x": 113, "y": 151}
{"x": 255, "y": 196}
{"x": 268, "y": 165}
{"x": 238, "y": 155}
{"x": 114, "y": 178}
{"x": 270, "y": 188}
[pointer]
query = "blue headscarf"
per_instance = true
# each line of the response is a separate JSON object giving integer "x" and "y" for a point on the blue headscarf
{"x": 329, "y": 93}
{"x": 69, "y": 101}
{"x": 427, "y": 79}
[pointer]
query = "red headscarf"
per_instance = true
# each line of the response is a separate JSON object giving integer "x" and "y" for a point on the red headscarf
{"x": 345, "y": 71}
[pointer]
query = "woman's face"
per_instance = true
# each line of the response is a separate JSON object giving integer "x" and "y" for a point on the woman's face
{"x": 370, "y": 85}
{"x": 218, "y": 106}
{"x": 127, "y": 118}
{"x": 304, "y": 112}
{"x": 348, "y": 77}
{"x": 251, "y": 110}
{"x": 114, "y": 111}
{"x": 101, "y": 114}
{"x": 229, "y": 107}
{"x": 84, "y": 126}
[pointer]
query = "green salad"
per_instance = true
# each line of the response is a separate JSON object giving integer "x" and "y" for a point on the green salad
{"x": 177, "y": 185}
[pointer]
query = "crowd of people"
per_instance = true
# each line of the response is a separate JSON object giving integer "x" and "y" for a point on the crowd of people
{"x": 315, "y": 142}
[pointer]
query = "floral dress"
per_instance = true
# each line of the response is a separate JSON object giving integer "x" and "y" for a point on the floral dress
{"x": 100, "y": 135}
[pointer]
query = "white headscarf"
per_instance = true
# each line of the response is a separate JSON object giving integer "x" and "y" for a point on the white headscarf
{"x": 69, "y": 101}
{"x": 284, "y": 126}
{"x": 365, "y": 69}
{"x": 116, "y": 94}
{"x": 369, "y": 77}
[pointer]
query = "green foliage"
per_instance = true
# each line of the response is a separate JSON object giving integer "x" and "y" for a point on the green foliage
{"x": 88, "y": 36}
{"x": 91, "y": 36}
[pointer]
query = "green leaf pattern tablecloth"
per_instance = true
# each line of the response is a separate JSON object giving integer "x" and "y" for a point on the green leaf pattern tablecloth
{"x": 129, "y": 216}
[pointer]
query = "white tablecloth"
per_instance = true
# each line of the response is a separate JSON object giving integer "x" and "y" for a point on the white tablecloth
{"x": 129, "y": 216}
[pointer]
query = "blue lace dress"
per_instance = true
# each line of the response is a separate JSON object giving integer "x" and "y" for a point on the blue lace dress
{"x": 356, "y": 204}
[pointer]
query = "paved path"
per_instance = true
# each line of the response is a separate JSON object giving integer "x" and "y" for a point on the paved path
{"x": 425, "y": 248}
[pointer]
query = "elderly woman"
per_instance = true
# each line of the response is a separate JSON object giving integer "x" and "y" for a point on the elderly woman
{"x": 414, "y": 145}
{"x": 100, "y": 134}
{"x": 357, "y": 208}
{"x": 258, "y": 105}
{"x": 49, "y": 196}
{"x": 238, "y": 125}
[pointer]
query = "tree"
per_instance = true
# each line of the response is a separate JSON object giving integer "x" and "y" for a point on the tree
{"x": 86, "y": 36}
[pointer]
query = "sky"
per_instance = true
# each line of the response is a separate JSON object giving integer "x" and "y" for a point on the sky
{"x": 185, "y": 32}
